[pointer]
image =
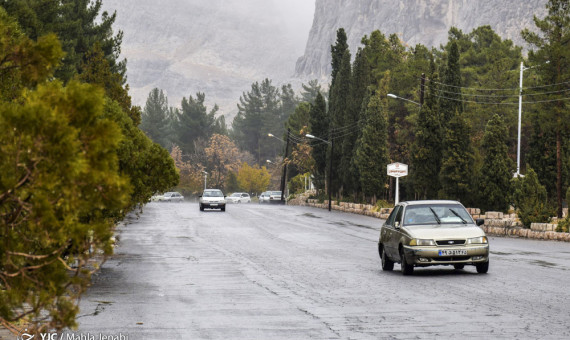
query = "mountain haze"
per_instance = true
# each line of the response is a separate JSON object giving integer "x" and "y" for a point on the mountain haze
{"x": 415, "y": 21}
{"x": 219, "y": 47}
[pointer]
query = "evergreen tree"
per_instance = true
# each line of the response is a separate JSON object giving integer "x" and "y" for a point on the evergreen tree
{"x": 552, "y": 52}
{"x": 310, "y": 91}
{"x": 193, "y": 122}
{"x": 359, "y": 83}
{"x": 337, "y": 53}
{"x": 372, "y": 150}
{"x": 259, "y": 113}
{"x": 529, "y": 199}
{"x": 155, "y": 121}
{"x": 496, "y": 173}
{"x": 456, "y": 174}
{"x": 451, "y": 105}
{"x": 79, "y": 24}
{"x": 339, "y": 106}
{"x": 427, "y": 147}
{"x": 319, "y": 125}
{"x": 426, "y": 153}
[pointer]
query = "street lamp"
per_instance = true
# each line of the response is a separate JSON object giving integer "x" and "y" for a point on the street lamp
{"x": 331, "y": 143}
{"x": 284, "y": 177}
{"x": 398, "y": 97}
{"x": 523, "y": 68}
{"x": 205, "y": 177}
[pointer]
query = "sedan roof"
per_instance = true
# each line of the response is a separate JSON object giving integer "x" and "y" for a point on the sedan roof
{"x": 428, "y": 202}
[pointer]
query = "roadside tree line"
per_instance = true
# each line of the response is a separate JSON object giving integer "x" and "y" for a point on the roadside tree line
{"x": 73, "y": 162}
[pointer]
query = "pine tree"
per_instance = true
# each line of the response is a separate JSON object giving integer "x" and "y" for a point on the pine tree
{"x": 259, "y": 113}
{"x": 310, "y": 91}
{"x": 496, "y": 175}
{"x": 155, "y": 121}
{"x": 372, "y": 150}
{"x": 319, "y": 126}
{"x": 193, "y": 122}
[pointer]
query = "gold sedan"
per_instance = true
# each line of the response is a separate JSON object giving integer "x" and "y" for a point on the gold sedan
{"x": 430, "y": 233}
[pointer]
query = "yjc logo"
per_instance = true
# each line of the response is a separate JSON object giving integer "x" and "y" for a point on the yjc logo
{"x": 24, "y": 335}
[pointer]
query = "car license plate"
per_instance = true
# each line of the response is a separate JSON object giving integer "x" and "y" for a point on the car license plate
{"x": 452, "y": 252}
{"x": 214, "y": 204}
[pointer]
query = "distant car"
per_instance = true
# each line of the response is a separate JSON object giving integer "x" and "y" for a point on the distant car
{"x": 431, "y": 233}
{"x": 274, "y": 196}
{"x": 239, "y": 197}
{"x": 264, "y": 197}
{"x": 212, "y": 199}
{"x": 156, "y": 198}
{"x": 172, "y": 197}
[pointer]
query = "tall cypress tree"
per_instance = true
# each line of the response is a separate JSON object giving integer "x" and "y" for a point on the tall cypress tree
{"x": 193, "y": 122}
{"x": 456, "y": 174}
{"x": 372, "y": 150}
{"x": 319, "y": 126}
{"x": 452, "y": 80}
{"x": 339, "y": 106}
{"x": 359, "y": 83}
{"x": 496, "y": 172}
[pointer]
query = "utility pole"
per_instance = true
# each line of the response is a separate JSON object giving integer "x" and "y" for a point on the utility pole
{"x": 330, "y": 167}
{"x": 520, "y": 116}
{"x": 284, "y": 178}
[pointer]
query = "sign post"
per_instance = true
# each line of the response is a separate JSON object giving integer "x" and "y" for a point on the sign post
{"x": 397, "y": 170}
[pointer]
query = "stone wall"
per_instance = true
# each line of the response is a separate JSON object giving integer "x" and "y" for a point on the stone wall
{"x": 496, "y": 223}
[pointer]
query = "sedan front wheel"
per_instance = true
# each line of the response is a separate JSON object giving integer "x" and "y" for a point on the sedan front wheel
{"x": 482, "y": 268}
{"x": 407, "y": 269}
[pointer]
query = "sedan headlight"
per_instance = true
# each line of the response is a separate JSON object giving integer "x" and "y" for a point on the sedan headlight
{"x": 421, "y": 242}
{"x": 478, "y": 240}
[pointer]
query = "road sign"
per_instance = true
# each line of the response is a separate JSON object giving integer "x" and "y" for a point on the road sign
{"x": 397, "y": 170}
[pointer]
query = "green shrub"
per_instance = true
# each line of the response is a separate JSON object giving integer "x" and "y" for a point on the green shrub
{"x": 297, "y": 184}
{"x": 564, "y": 225}
{"x": 530, "y": 201}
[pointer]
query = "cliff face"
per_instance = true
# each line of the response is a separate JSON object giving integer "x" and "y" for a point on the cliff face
{"x": 415, "y": 21}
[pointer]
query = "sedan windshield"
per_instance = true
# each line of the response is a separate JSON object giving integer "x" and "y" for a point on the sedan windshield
{"x": 213, "y": 193}
{"x": 237, "y": 194}
{"x": 436, "y": 214}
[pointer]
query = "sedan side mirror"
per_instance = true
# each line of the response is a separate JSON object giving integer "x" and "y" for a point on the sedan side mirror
{"x": 397, "y": 225}
{"x": 480, "y": 221}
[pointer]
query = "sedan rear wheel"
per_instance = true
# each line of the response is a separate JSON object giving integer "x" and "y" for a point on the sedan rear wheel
{"x": 482, "y": 268}
{"x": 387, "y": 264}
{"x": 407, "y": 269}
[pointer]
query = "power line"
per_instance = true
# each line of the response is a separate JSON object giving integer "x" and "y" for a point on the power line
{"x": 502, "y": 103}
{"x": 503, "y": 89}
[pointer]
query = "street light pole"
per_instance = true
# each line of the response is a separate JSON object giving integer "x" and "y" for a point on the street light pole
{"x": 330, "y": 168}
{"x": 205, "y": 177}
{"x": 284, "y": 178}
{"x": 519, "y": 125}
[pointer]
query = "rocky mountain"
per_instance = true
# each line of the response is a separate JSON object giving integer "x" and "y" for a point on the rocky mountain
{"x": 415, "y": 21}
{"x": 219, "y": 47}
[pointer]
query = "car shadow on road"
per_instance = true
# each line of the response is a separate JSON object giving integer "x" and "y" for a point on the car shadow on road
{"x": 432, "y": 272}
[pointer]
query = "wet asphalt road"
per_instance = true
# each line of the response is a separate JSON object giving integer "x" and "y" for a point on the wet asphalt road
{"x": 274, "y": 272}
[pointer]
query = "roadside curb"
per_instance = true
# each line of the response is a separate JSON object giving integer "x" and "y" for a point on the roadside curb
{"x": 490, "y": 227}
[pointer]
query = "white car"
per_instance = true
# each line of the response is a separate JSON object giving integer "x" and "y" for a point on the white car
{"x": 239, "y": 197}
{"x": 275, "y": 197}
{"x": 264, "y": 197}
{"x": 212, "y": 199}
{"x": 172, "y": 197}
